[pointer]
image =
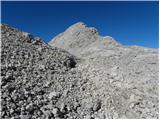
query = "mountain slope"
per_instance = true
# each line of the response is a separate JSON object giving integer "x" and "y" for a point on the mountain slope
{"x": 132, "y": 69}
{"x": 33, "y": 76}
{"x": 103, "y": 79}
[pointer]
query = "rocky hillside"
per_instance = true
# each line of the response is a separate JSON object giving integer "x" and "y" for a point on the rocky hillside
{"x": 78, "y": 75}
{"x": 34, "y": 76}
{"x": 128, "y": 69}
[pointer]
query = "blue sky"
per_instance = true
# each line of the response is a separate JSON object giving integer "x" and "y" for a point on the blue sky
{"x": 130, "y": 23}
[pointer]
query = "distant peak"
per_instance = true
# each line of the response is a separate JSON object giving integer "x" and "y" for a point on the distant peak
{"x": 81, "y": 27}
{"x": 77, "y": 26}
{"x": 108, "y": 37}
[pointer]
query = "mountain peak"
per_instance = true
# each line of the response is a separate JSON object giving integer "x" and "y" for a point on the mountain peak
{"x": 81, "y": 27}
{"x": 79, "y": 36}
{"x": 77, "y": 26}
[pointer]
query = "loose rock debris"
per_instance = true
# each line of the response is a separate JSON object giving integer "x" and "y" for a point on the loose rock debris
{"x": 80, "y": 74}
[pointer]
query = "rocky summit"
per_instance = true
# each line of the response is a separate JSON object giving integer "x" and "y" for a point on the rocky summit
{"x": 78, "y": 74}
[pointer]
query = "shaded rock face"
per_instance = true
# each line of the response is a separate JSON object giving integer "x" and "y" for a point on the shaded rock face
{"x": 83, "y": 75}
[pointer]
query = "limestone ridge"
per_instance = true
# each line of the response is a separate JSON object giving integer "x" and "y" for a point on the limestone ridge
{"x": 78, "y": 37}
{"x": 79, "y": 75}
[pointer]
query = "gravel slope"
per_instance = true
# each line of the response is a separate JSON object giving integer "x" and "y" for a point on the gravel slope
{"x": 99, "y": 79}
{"x": 130, "y": 72}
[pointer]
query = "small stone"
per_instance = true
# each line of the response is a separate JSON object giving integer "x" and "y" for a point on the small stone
{"x": 42, "y": 67}
{"x": 130, "y": 114}
{"x": 54, "y": 111}
{"x": 62, "y": 107}
{"x": 53, "y": 95}
{"x": 87, "y": 117}
{"x": 11, "y": 111}
{"x": 97, "y": 106}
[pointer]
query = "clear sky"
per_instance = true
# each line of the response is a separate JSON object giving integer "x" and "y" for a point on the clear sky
{"x": 130, "y": 23}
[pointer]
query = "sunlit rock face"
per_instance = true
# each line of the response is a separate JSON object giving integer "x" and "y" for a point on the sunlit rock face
{"x": 80, "y": 74}
{"x": 78, "y": 38}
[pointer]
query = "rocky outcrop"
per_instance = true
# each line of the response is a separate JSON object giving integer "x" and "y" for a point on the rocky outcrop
{"x": 79, "y": 38}
{"x": 78, "y": 75}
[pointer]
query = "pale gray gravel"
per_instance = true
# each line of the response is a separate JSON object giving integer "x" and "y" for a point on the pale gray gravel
{"x": 97, "y": 78}
{"x": 126, "y": 75}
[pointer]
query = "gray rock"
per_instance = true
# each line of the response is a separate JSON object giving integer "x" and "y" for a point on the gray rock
{"x": 110, "y": 67}
{"x": 80, "y": 74}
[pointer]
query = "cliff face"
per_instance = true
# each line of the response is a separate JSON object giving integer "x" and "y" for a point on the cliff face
{"x": 78, "y": 75}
